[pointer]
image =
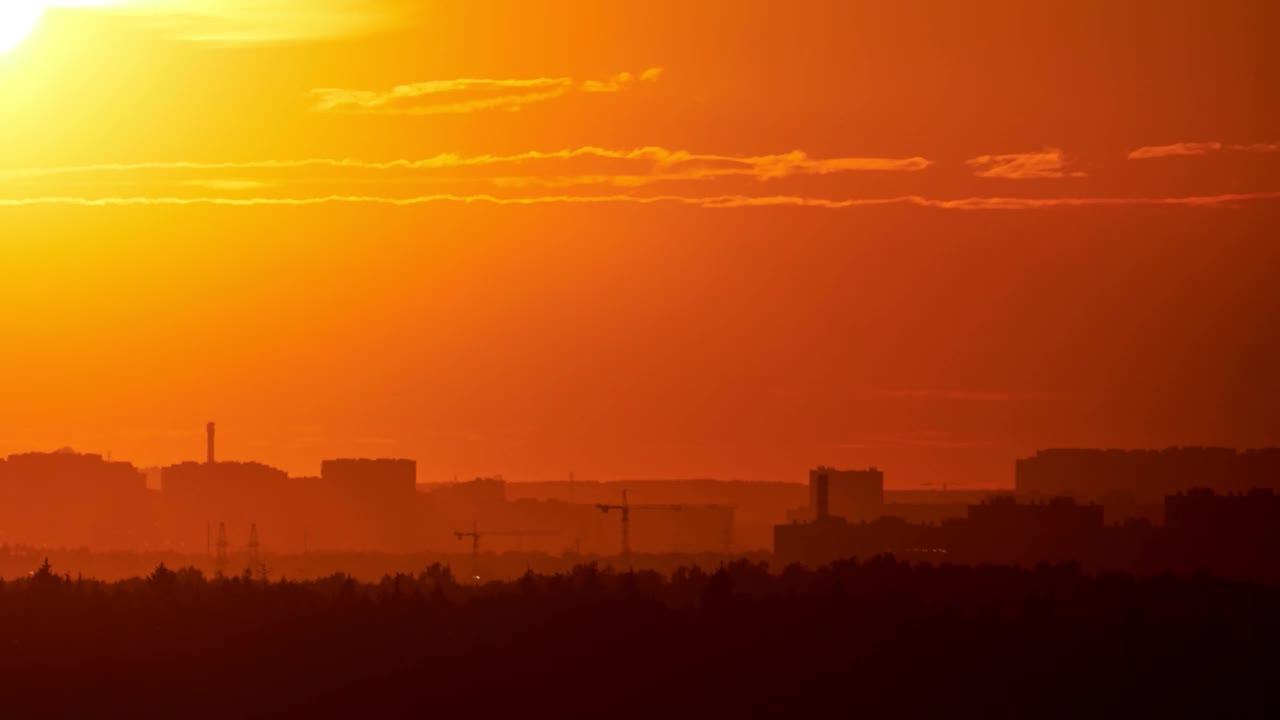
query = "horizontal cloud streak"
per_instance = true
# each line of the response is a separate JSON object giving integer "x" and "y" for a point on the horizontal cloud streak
{"x": 467, "y": 95}
{"x": 561, "y": 168}
{"x": 990, "y": 203}
{"x": 710, "y": 202}
{"x": 1176, "y": 149}
{"x": 1048, "y": 163}
{"x": 1183, "y": 149}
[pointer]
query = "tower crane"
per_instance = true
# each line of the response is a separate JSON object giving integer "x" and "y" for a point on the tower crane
{"x": 475, "y": 533}
{"x": 626, "y": 508}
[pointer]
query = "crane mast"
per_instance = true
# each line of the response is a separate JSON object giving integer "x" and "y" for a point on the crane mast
{"x": 625, "y": 509}
{"x": 475, "y": 533}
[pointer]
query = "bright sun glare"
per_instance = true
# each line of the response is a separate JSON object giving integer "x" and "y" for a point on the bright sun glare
{"x": 17, "y": 19}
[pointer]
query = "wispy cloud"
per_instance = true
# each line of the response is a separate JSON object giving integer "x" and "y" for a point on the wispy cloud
{"x": 991, "y": 203}
{"x": 1198, "y": 148}
{"x": 1176, "y": 149}
{"x": 560, "y": 168}
{"x": 961, "y": 395}
{"x": 580, "y": 175}
{"x": 1048, "y": 163}
{"x": 1257, "y": 147}
{"x": 710, "y": 202}
{"x": 619, "y": 82}
{"x": 258, "y": 22}
{"x": 467, "y": 95}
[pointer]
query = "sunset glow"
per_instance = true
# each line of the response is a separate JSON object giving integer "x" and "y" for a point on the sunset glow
{"x": 17, "y": 19}
{"x": 690, "y": 359}
{"x": 632, "y": 242}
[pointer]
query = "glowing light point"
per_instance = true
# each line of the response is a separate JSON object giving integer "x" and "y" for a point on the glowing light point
{"x": 17, "y": 19}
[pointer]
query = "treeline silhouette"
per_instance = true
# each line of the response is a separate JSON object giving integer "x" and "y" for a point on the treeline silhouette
{"x": 876, "y": 637}
{"x": 19, "y": 560}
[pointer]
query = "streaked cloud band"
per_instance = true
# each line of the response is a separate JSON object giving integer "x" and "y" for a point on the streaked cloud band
{"x": 468, "y": 95}
{"x": 1183, "y": 149}
{"x": 709, "y": 202}
{"x": 560, "y": 168}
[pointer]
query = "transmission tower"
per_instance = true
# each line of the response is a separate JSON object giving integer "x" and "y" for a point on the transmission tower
{"x": 220, "y": 560}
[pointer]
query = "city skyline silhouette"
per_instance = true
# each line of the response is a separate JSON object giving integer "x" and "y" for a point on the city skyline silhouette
{"x": 1179, "y": 508}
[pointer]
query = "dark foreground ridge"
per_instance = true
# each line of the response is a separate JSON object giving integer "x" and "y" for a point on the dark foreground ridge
{"x": 868, "y": 638}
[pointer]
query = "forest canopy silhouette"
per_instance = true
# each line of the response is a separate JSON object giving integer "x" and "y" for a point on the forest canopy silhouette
{"x": 877, "y": 636}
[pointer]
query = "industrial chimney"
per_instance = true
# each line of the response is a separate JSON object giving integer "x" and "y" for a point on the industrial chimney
{"x": 209, "y": 431}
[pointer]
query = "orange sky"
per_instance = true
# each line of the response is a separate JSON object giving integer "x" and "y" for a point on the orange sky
{"x": 657, "y": 239}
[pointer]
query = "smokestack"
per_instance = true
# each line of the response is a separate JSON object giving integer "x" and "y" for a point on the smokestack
{"x": 209, "y": 431}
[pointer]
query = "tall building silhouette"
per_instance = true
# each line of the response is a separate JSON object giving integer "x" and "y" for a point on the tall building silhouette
{"x": 848, "y": 494}
{"x": 66, "y": 498}
{"x": 1145, "y": 476}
